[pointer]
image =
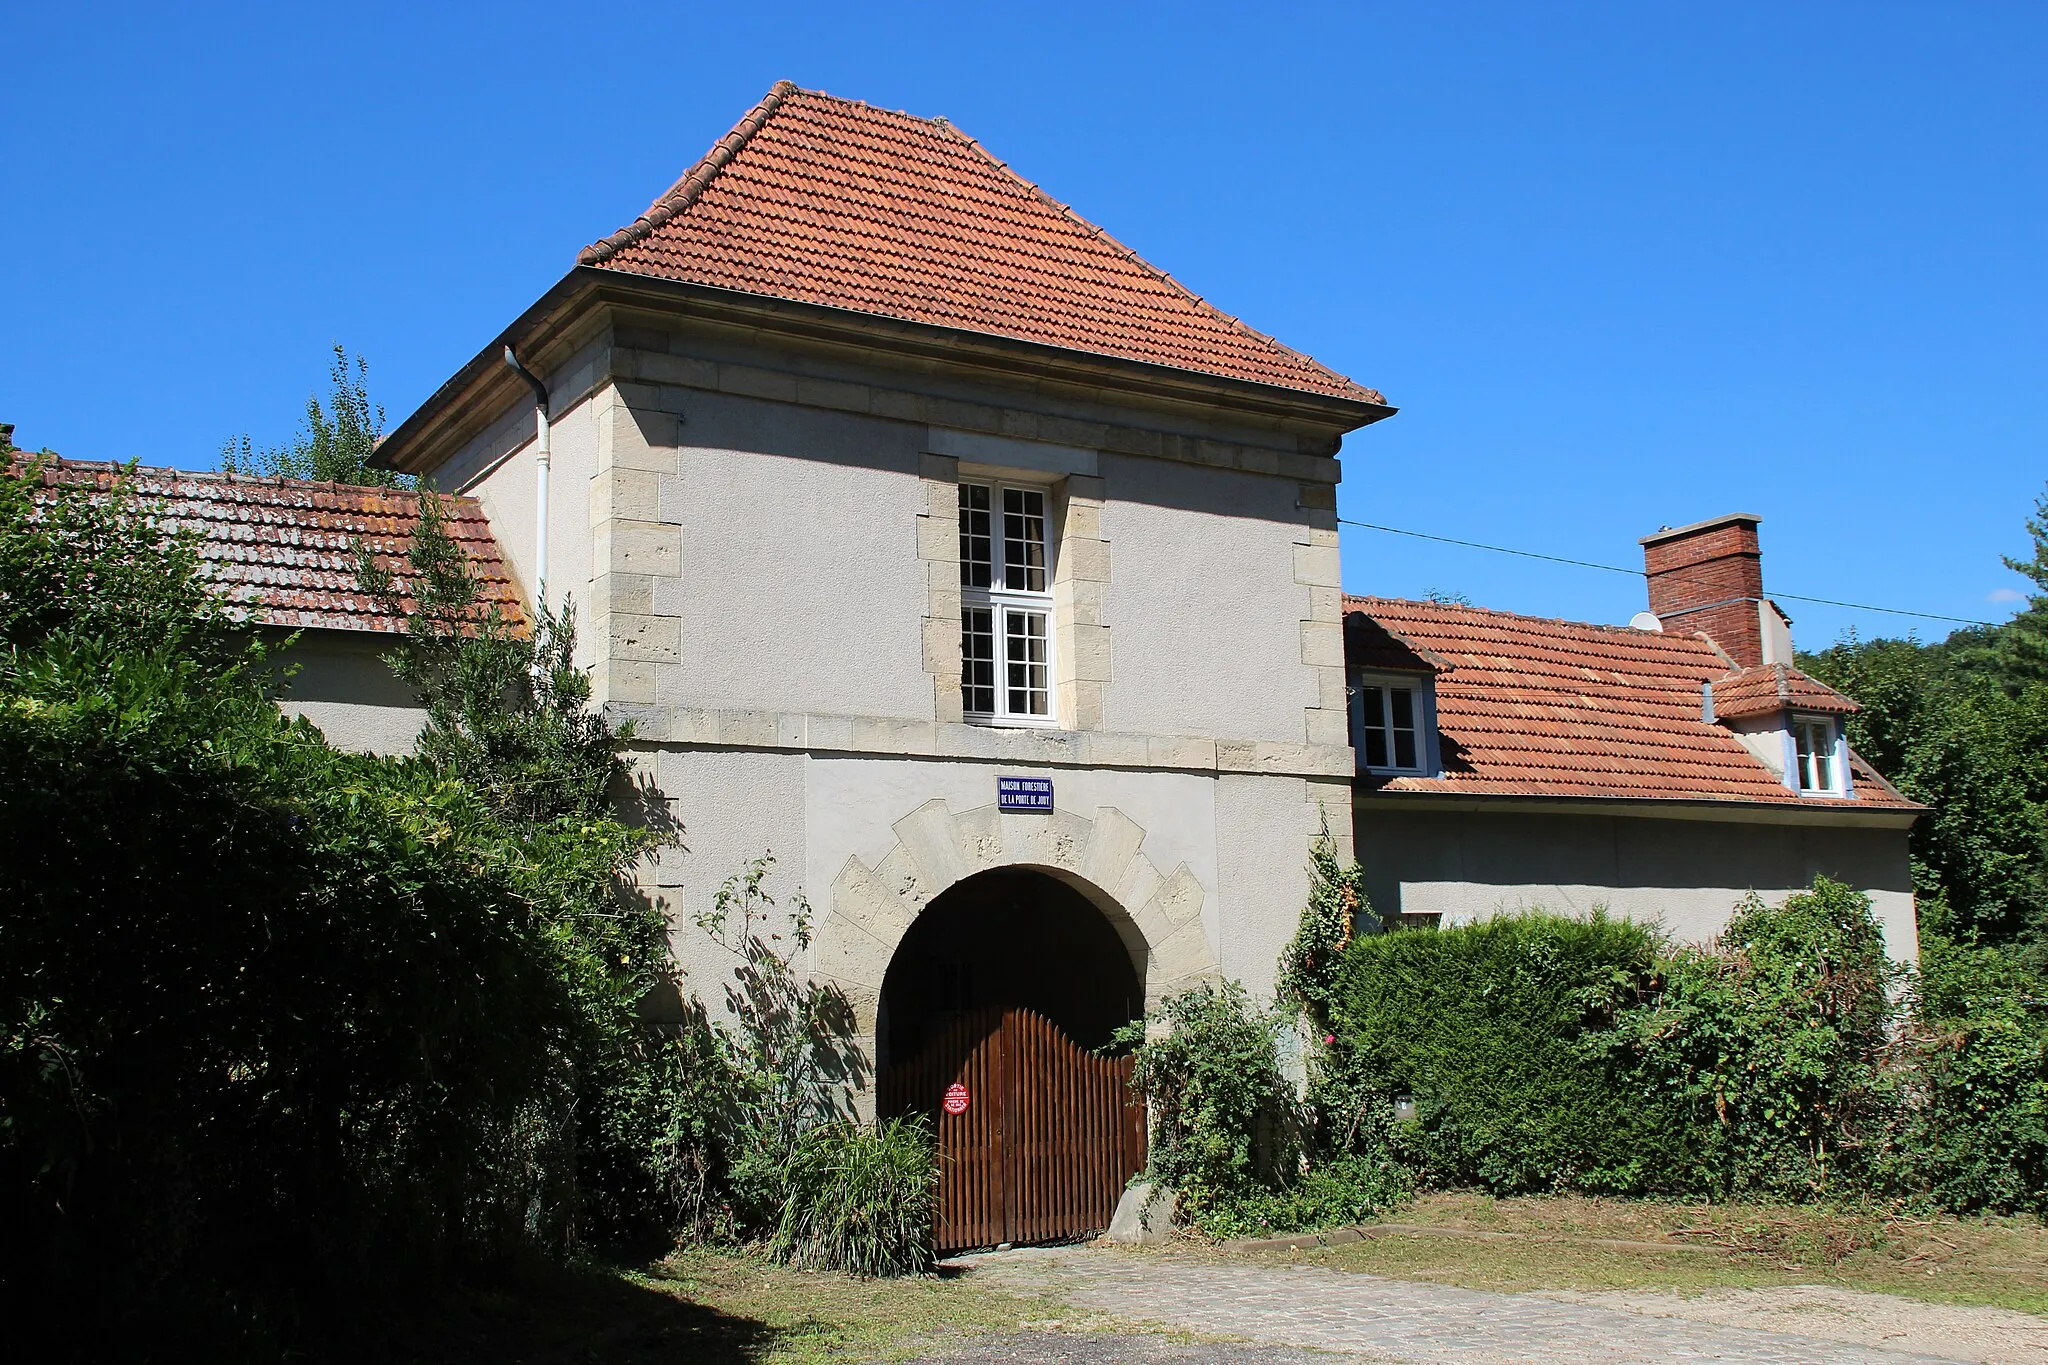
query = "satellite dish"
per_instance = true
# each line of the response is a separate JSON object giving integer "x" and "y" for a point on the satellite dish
{"x": 1646, "y": 620}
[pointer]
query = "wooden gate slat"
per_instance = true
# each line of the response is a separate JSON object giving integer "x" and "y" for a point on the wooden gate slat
{"x": 1049, "y": 1138}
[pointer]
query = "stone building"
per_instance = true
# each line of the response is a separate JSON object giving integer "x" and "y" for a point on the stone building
{"x": 939, "y": 545}
{"x": 987, "y": 578}
{"x": 1661, "y": 771}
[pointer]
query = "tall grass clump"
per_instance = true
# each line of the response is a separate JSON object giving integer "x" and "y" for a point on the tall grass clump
{"x": 862, "y": 1199}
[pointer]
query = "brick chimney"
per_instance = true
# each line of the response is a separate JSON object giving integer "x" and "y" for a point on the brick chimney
{"x": 1709, "y": 576}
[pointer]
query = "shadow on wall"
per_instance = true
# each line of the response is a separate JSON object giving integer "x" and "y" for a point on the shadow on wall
{"x": 1689, "y": 873}
{"x": 725, "y": 422}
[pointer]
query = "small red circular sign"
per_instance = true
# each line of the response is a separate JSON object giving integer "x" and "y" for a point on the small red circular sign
{"x": 956, "y": 1099}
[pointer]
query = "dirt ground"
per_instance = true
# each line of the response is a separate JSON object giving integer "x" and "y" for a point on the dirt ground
{"x": 1950, "y": 1331}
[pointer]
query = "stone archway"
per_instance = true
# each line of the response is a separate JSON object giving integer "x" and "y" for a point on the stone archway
{"x": 1158, "y": 916}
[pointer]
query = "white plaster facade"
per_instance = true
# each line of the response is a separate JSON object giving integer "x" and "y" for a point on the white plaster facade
{"x": 760, "y": 533}
{"x": 1683, "y": 872}
{"x": 341, "y": 683}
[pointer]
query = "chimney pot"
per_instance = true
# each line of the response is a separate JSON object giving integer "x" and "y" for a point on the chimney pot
{"x": 1709, "y": 577}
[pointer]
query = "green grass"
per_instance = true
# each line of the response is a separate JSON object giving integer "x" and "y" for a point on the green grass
{"x": 1998, "y": 1261}
{"x": 721, "y": 1308}
{"x": 711, "y": 1308}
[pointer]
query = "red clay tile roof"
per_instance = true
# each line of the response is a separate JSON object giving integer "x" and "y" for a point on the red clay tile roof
{"x": 1536, "y": 707}
{"x": 835, "y": 202}
{"x": 1368, "y": 644}
{"x": 1767, "y": 688}
{"x": 280, "y": 549}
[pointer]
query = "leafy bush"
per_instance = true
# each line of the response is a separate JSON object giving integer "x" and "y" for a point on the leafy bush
{"x": 1976, "y": 1135}
{"x": 273, "y": 1019}
{"x": 279, "y": 1026}
{"x": 1486, "y": 1027}
{"x": 860, "y": 1198}
{"x": 1549, "y": 1053}
{"x": 1225, "y": 1120}
{"x": 1348, "y": 1189}
{"x": 1767, "y": 1047}
{"x": 784, "y": 1050}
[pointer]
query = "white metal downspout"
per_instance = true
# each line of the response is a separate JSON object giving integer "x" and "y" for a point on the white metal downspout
{"x": 542, "y": 459}
{"x": 541, "y": 463}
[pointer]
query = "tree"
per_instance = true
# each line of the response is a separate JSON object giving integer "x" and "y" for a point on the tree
{"x": 1962, "y": 725}
{"x": 2024, "y": 639}
{"x": 281, "y": 1028}
{"x": 508, "y": 711}
{"x": 509, "y": 717}
{"x": 336, "y": 442}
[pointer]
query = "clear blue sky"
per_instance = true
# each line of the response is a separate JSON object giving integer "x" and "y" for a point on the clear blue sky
{"x": 1620, "y": 265}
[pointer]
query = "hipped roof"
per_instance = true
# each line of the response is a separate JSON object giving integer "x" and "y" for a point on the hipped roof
{"x": 835, "y": 202}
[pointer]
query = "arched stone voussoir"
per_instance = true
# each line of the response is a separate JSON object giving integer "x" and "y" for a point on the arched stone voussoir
{"x": 866, "y": 899}
{"x": 930, "y": 835}
{"x": 980, "y": 832}
{"x": 865, "y": 1002}
{"x": 1158, "y": 917}
{"x": 846, "y": 953}
{"x": 1112, "y": 844}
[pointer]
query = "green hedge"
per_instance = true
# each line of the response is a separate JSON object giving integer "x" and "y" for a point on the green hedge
{"x": 1784, "y": 1060}
{"x": 1492, "y": 1028}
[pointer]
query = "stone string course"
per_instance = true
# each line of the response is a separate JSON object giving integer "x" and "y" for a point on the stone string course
{"x": 813, "y": 733}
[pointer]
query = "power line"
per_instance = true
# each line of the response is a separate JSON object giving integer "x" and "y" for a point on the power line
{"x": 1637, "y": 573}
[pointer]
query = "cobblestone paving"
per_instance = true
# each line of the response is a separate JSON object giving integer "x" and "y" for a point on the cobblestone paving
{"x": 1383, "y": 1319}
{"x": 1108, "y": 1348}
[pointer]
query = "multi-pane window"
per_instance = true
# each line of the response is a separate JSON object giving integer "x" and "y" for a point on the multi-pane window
{"x": 1005, "y": 604}
{"x": 1389, "y": 726}
{"x": 1814, "y": 739}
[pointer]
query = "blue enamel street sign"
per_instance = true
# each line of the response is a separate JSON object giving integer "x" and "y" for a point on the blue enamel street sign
{"x": 1024, "y": 793}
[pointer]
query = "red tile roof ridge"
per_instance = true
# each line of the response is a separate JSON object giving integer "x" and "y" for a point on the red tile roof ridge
{"x": 1691, "y": 640}
{"x": 56, "y": 463}
{"x": 679, "y": 196}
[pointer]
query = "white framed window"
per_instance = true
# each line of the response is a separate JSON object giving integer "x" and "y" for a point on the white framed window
{"x": 1816, "y": 748}
{"x": 1390, "y": 724}
{"x": 1005, "y": 604}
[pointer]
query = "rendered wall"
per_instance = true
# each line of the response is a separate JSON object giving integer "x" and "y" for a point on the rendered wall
{"x": 1238, "y": 840}
{"x": 1204, "y": 608}
{"x": 498, "y": 469}
{"x": 799, "y": 586}
{"x": 1685, "y": 875}
{"x": 344, "y": 686}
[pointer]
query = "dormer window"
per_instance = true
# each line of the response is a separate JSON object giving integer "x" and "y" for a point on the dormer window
{"x": 1390, "y": 720}
{"x": 1817, "y": 746}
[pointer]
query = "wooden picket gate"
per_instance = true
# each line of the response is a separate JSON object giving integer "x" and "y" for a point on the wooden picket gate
{"x": 1048, "y": 1139}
